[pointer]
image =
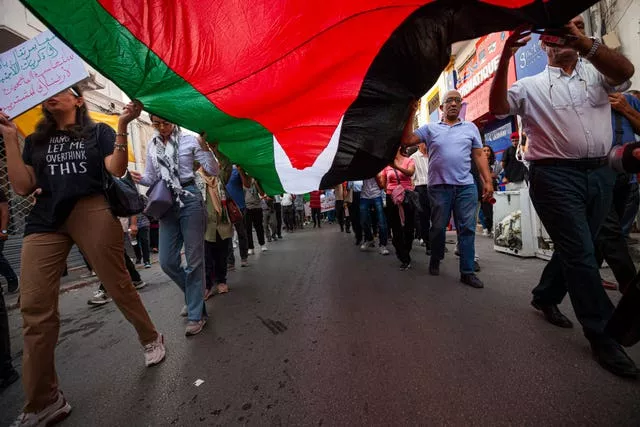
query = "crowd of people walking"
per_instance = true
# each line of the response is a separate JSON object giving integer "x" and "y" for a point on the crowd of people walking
{"x": 445, "y": 183}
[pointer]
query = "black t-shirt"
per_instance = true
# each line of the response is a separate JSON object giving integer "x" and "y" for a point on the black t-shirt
{"x": 66, "y": 168}
{"x": 514, "y": 170}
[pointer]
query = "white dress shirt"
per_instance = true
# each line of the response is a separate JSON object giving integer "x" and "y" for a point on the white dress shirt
{"x": 565, "y": 116}
{"x": 422, "y": 168}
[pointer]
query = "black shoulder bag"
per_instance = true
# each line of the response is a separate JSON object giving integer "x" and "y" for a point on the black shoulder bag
{"x": 121, "y": 193}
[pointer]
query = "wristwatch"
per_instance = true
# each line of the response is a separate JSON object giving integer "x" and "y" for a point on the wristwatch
{"x": 594, "y": 48}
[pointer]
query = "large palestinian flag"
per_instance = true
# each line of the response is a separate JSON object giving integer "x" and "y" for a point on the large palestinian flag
{"x": 302, "y": 93}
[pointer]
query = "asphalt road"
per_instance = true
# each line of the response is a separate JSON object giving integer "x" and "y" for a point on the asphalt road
{"x": 316, "y": 332}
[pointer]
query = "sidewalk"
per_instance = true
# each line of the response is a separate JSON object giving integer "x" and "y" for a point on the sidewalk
{"x": 78, "y": 277}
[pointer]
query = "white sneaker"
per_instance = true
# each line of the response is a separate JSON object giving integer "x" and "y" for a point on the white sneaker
{"x": 154, "y": 352}
{"x": 100, "y": 297}
{"x": 56, "y": 412}
{"x": 139, "y": 284}
{"x": 194, "y": 328}
{"x": 250, "y": 252}
{"x": 384, "y": 250}
{"x": 264, "y": 248}
{"x": 485, "y": 232}
{"x": 184, "y": 311}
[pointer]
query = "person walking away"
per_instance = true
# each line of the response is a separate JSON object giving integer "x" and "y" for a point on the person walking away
{"x": 611, "y": 245}
{"x": 219, "y": 233}
{"x": 269, "y": 218}
{"x": 143, "y": 248}
{"x": 421, "y": 160}
{"x": 371, "y": 198}
{"x": 235, "y": 191}
{"x": 288, "y": 212}
{"x": 253, "y": 213}
{"x": 355, "y": 187}
{"x": 339, "y": 194}
{"x": 316, "y": 207}
{"x": 563, "y": 110}
{"x": 514, "y": 170}
{"x": 348, "y": 201}
{"x": 452, "y": 143}
{"x": 487, "y": 206}
{"x": 5, "y": 268}
{"x": 71, "y": 197}
{"x": 277, "y": 207}
{"x": 298, "y": 203}
{"x": 171, "y": 155}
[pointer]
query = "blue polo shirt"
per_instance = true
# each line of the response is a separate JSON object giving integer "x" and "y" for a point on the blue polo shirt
{"x": 449, "y": 150}
{"x": 628, "y": 135}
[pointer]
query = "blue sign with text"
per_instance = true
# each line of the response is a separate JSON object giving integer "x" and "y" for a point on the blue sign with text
{"x": 530, "y": 59}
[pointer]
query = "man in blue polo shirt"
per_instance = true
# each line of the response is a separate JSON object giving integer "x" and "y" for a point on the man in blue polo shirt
{"x": 610, "y": 243}
{"x": 451, "y": 144}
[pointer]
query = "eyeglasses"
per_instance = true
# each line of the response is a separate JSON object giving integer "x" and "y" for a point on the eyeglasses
{"x": 74, "y": 92}
{"x": 158, "y": 125}
{"x": 456, "y": 99}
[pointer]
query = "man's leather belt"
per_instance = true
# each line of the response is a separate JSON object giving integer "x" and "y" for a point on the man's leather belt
{"x": 582, "y": 164}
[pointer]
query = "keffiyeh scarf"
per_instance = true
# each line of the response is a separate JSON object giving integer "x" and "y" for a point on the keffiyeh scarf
{"x": 165, "y": 160}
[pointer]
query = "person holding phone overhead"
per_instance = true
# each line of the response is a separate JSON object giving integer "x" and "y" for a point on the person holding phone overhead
{"x": 71, "y": 197}
{"x": 566, "y": 113}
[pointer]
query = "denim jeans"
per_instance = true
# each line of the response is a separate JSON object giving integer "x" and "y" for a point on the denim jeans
{"x": 143, "y": 248}
{"x": 365, "y": 220}
{"x": 462, "y": 200}
{"x": 186, "y": 225}
{"x": 572, "y": 205}
{"x": 424, "y": 217}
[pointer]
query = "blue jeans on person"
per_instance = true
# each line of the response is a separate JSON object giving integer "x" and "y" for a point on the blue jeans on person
{"x": 462, "y": 200}
{"x": 365, "y": 219}
{"x": 572, "y": 204}
{"x": 186, "y": 225}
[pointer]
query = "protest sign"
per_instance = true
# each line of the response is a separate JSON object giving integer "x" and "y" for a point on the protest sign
{"x": 36, "y": 70}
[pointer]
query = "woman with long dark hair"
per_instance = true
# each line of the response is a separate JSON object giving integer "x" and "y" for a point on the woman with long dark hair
{"x": 65, "y": 158}
{"x": 171, "y": 155}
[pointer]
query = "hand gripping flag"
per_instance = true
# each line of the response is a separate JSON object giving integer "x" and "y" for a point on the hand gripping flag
{"x": 303, "y": 94}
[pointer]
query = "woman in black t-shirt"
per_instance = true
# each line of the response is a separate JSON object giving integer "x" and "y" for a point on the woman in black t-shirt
{"x": 64, "y": 159}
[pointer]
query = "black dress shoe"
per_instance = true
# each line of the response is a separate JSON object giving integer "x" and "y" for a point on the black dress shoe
{"x": 613, "y": 358}
{"x": 434, "y": 268}
{"x": 472, "y": 280}
{"x": 553, "y": 315}
{"x": 476, "y": 266}
{"x": 8, "y": 379}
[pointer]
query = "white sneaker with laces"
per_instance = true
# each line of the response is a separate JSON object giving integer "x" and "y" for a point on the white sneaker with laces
{"x": 100, "y": 297}
{"x": 184, "y": 311}
{"x": 56, "y": 412}
{"x": 264, "y": 248}
{"x": 154, "y": 352}
{"x": 384, "y": 250}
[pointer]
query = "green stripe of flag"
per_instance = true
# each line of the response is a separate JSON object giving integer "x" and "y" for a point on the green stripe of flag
{"x": 111, "y": 48}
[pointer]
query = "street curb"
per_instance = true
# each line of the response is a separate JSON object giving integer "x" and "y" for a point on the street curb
{"x": 64, "y": 289}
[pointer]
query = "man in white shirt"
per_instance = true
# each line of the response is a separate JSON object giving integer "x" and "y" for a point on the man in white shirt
{"x": 421, "y": 160}
{"x": 566, "y": 115}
